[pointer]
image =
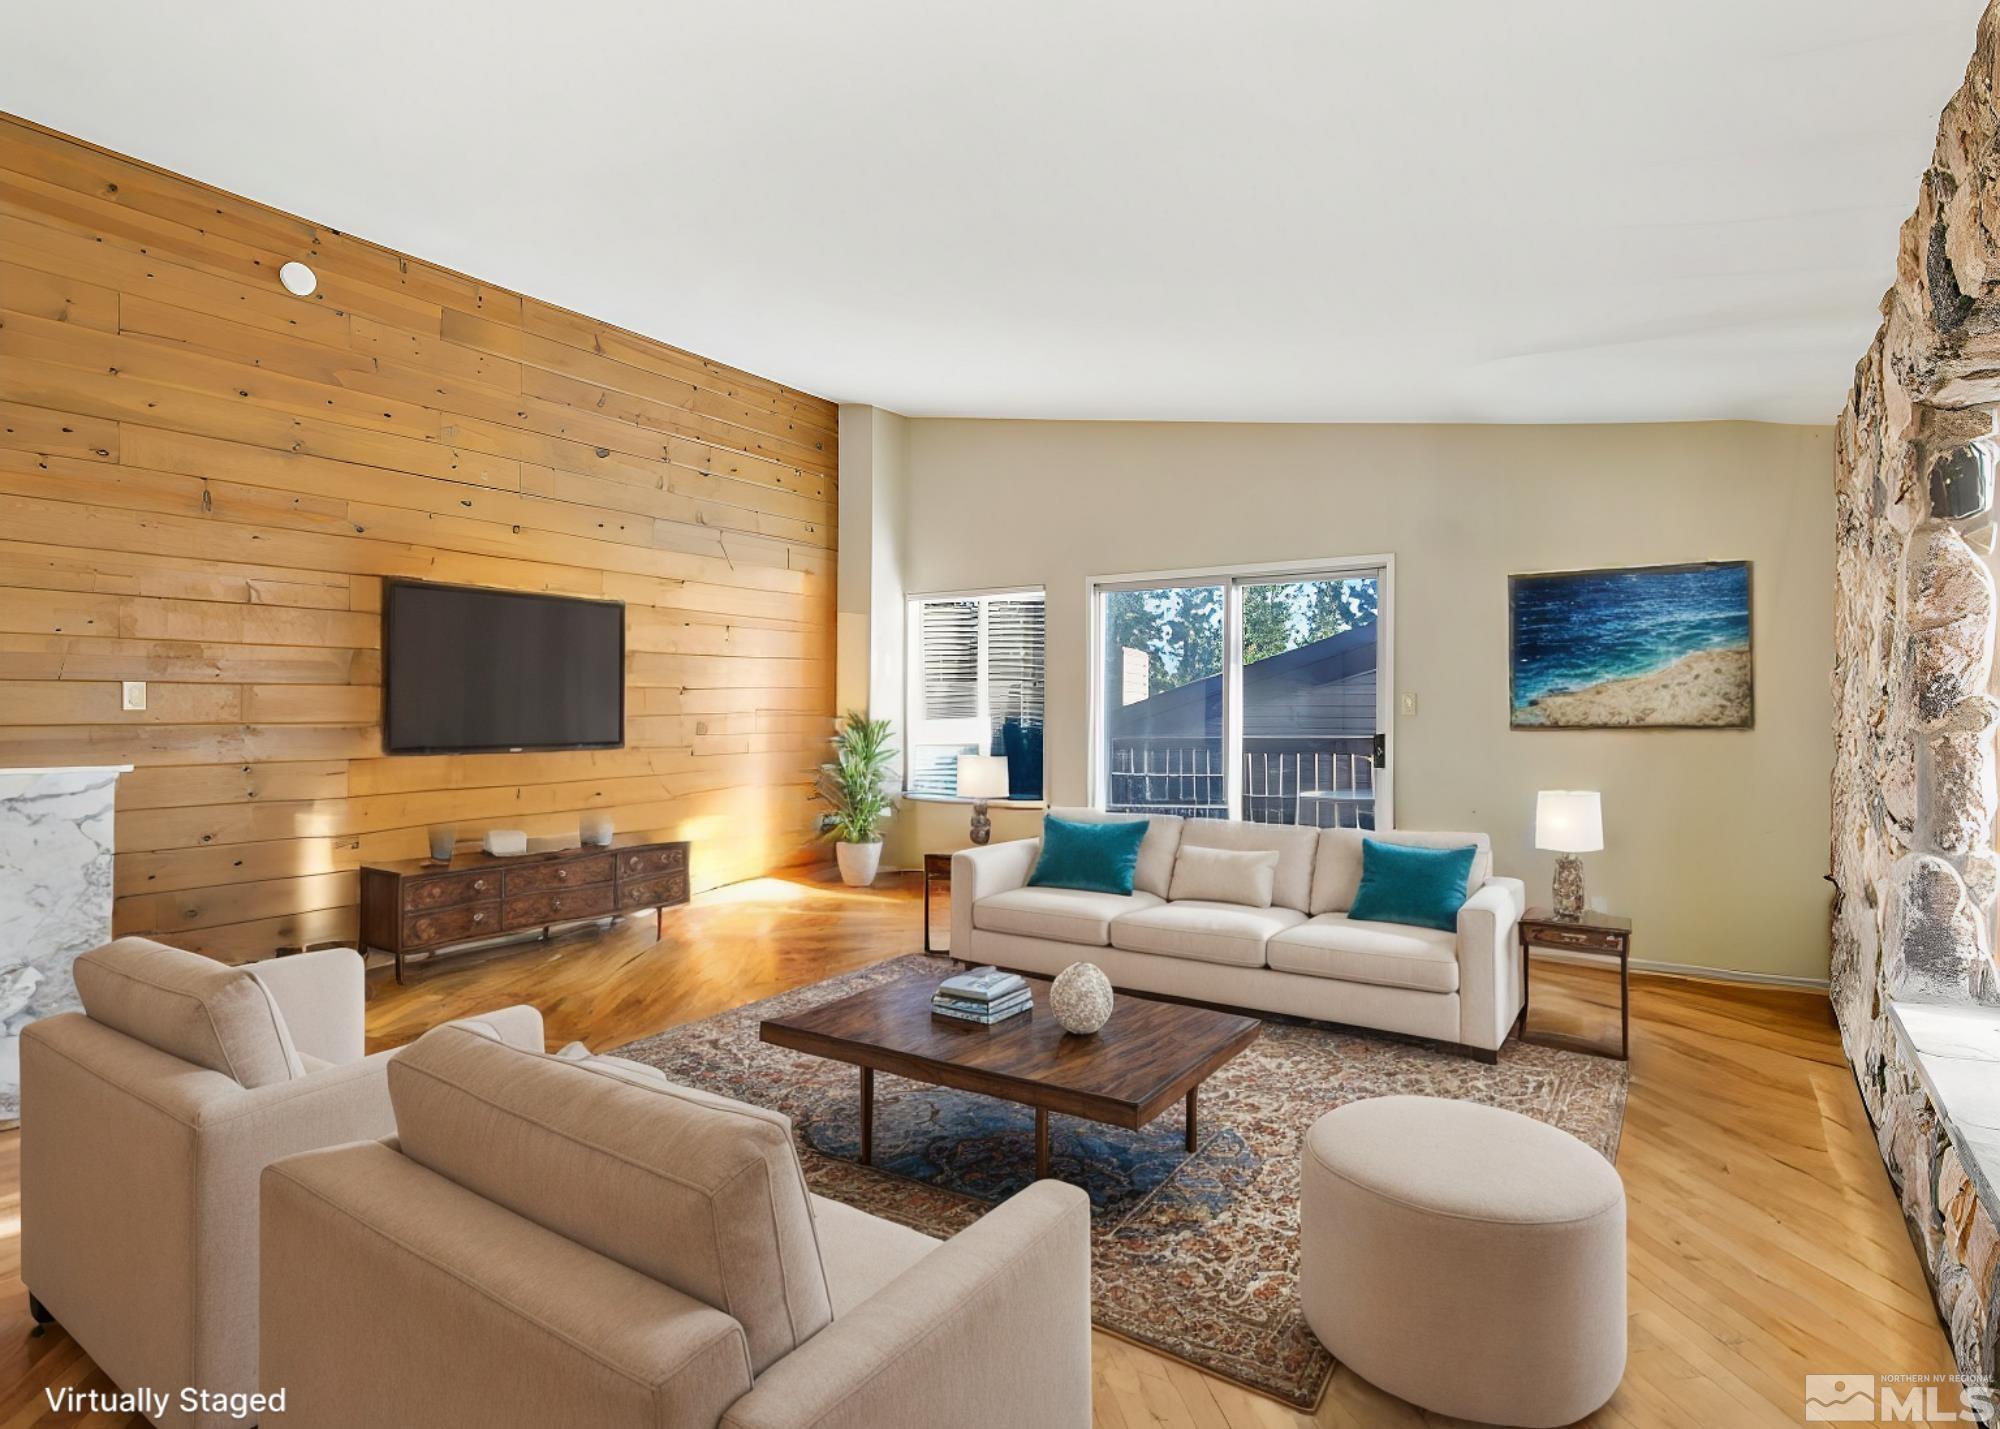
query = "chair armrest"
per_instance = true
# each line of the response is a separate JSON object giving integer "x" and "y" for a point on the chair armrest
{"x": 139, "y": 1191}
{"x": 323, "y": 998}
{"x": 998, "y": 1317}
{"x": 324, "y": 1108}
{"x": 1489, "y": 962}
{"x": 978, "y": 873}
{"x": 517, "y": 1026}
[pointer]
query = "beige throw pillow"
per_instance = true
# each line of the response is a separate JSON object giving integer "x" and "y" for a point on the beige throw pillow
{"x": 1216, "y": 875}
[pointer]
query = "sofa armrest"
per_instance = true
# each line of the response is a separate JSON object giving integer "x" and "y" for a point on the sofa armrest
{"x": 323, "y": 998}
{"x": 978, "y": 873}
{"x": 997, "y": 1317}
{"x": 1489, "y": 963}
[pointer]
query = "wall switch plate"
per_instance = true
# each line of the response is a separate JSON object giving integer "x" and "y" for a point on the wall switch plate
{"x": 135, "y": 694}
{"x": 1409, "y": 704}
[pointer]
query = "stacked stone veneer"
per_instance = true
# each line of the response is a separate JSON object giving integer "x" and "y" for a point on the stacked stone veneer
{"x": 1913, "y": 779}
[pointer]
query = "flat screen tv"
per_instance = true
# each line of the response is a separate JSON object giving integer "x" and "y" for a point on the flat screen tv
{"x": 468, "y": 671}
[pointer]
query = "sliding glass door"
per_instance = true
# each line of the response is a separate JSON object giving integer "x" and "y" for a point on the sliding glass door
{"x": 1248, "y": 695}
{"x": 1162, "y": 700}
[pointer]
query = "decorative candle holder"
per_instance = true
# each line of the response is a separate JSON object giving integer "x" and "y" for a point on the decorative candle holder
{"x": 444, "y": 842}
{"x": 595, "y": 829}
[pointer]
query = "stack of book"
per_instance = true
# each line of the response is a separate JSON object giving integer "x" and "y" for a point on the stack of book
{"x": 983, "y": 995}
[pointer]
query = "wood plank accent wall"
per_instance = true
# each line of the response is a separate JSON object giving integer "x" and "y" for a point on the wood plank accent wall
{"x": 204, "y": 481}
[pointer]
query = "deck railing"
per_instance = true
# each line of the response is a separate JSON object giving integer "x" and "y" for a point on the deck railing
{"x": 1289, "y": 779}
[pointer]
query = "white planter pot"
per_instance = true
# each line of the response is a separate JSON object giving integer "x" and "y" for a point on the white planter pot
{"x": 858, "y": 863}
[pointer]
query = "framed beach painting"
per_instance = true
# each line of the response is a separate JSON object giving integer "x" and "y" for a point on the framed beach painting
{"x": 1637, "y": 647}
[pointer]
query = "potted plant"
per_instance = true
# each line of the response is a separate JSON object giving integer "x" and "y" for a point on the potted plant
{"x": 855, "y": 784}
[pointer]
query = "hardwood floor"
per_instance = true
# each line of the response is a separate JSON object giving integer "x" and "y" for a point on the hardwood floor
{"x": 1765, "y": 1243}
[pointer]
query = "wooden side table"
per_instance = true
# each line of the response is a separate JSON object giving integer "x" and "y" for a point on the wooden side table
{"x": 1594, "y": 934}
{"x": 936, "y": 865}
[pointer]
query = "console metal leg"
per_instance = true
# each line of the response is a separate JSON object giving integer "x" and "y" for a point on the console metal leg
{"x": 867, "y": 1116}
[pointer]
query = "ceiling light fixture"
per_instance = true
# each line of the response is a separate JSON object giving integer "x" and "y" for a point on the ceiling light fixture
{"x": 298, "y": 279}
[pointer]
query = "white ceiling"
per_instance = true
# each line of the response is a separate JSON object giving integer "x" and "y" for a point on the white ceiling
{"x": 1340, "y": 210}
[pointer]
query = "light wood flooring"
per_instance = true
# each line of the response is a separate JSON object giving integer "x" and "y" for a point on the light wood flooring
{"x": 1765, "y": 1243}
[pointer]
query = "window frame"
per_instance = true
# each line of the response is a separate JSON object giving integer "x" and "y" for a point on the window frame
{"x": 1233, "y": 578}
{"x": 913, "y": 673}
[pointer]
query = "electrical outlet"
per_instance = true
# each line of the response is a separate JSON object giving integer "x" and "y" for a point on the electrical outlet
{"x": 135, "y": 694}
{"x": 1409, "y": 704}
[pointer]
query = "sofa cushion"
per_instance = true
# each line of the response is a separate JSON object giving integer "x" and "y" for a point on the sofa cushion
{"x": 1385, "y": 954}
{"x": 1291, "y": 885}
{"x": 1203, "y": 932}
{"x": 1061, "y": 915}
{"x": 1096, "y": 856}
{"x": 1155, "y": 869}
{"x": 697, "y": 1191}
{"x": 1336, "y": 876}
{"x": 191, "y": 1007}
{"x": 1220, "y": 875}
{"x": 863, "y": 1253}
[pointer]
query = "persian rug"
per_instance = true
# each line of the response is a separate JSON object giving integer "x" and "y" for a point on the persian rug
{"x": 1193, "y": 1254}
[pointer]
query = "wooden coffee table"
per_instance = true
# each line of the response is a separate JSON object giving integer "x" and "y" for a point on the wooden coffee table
{"x": 1147, "y": 1057}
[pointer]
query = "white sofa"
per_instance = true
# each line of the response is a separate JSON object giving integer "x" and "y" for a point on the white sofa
{"x": 1302, "y": 955}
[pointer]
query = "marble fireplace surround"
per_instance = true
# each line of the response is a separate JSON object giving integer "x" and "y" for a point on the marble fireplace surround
{"x": 1916, "y": 878}
{"x": 55, "y": 896}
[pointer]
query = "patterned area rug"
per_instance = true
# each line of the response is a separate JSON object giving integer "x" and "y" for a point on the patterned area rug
{"x": 1193, "y": 1255}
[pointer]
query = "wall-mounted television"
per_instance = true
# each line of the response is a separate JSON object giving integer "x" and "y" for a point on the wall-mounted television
{"x": 477, "y": 671}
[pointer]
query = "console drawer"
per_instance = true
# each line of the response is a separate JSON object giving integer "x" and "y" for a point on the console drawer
{"x": 448, "y": 890}
{"x": 535, "y": 909}
{"x": 551, "y": 877}
{"x": 451, "y": 925}
{"x": 640, "y": 862}
{"x": 658, "y": 891}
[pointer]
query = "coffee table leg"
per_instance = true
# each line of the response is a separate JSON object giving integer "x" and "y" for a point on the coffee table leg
{"x": 1041, "y": 1143}
{"x": 1193, "y": 1092}
{"x": 867, "y": 1116}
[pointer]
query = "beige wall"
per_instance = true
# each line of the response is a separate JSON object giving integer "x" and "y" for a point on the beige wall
{"x": 1716, "y": 840}
{"x": 874, "y": 460}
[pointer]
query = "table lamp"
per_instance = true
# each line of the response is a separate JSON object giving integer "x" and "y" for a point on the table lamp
{"x": 982, "y": 777}
{"x": 1569, "y": 822}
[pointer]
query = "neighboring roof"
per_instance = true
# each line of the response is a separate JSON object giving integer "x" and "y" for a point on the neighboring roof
{"x": 1315, "y": 665}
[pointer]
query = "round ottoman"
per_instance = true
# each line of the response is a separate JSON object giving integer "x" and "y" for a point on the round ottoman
{"x": 1467, "y": 1259}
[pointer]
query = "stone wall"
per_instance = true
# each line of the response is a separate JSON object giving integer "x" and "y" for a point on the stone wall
{"x": 1913, "y": 779}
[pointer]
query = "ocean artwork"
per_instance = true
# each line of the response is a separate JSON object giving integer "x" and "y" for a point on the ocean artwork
{"x": 1642, "y": 647}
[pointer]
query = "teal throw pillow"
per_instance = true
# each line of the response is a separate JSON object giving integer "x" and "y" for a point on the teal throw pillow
{"x": 1097, "y": 858}
{"x": 1420, "y": 887}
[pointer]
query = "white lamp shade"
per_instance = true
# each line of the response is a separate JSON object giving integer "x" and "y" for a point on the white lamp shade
{"x": 1569, "y": 821}
{"x": 982, "y": 776}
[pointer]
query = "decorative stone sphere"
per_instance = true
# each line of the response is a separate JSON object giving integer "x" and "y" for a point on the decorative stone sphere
{"x": 1081, "y": 998}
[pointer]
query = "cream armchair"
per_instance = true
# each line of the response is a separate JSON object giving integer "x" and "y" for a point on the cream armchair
{"x": 583, "y": 1242}
{"x": 146, "y": 1120}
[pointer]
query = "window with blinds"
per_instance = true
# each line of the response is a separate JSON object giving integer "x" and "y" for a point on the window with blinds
{"x": 975, "y": 675}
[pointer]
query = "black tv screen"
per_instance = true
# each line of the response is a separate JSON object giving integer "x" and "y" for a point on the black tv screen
{"x": 467, "y": 670}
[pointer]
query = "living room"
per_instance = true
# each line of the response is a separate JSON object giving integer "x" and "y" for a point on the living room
{"x": 876, "y": 717}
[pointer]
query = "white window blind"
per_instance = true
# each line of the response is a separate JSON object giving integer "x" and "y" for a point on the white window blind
{"x": 976, "y": 687}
